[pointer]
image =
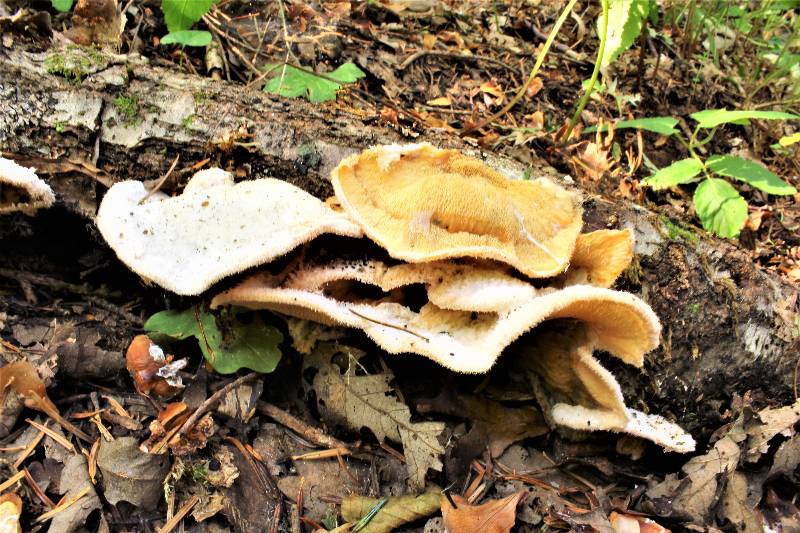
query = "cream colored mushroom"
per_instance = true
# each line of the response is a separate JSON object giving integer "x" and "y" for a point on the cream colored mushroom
{"x": 576, "y": 391}
{"x": 422, "y": 203}
{"x": 22, "y": 190}
{"x": 461, "y": 339}
{"x": 214, "y": 229}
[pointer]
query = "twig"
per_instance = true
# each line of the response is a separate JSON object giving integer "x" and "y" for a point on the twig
{"x": 388, "y": 325}
{"x": 161, "y": 182}
{"x": 213, "y": 399}
{"x": 460, "y": 57}
{"x": 310, "y": 433}
{"x": 175, "y": 520}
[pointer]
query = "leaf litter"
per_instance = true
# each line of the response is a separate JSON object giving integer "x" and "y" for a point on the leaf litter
{"x": 767, "y": 452}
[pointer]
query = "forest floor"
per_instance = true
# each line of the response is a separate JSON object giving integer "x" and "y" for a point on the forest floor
{"x": 254, "y": 453}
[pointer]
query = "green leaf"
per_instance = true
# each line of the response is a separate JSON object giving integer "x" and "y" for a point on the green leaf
{"x": 62, "y": 5}
{"x": 253, "y": 345}
{"x": 749, "y": 172}
{"x": 187, "y": 38}
{"x": 660, "y": 125}
{"x": 721, "y": 209}
{"x": 625, "y": 18}
{"x": 292, "y": 82}
{"x": 683, "y": 171}
{"x": 711, "y": 118}
{"x": 182, "y": 14}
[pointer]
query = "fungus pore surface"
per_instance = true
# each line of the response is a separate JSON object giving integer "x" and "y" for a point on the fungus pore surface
{"x": 465, "y": 338}
{"x": 214, "y": 229}
{"x": 422, "y": 203}
{"x": 576, "y": 391}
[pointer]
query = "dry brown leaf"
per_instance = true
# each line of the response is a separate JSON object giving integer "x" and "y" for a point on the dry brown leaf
{"x": 358, "y": 401}
{"x": 494, "y": 516}
{"x": 397, "y": 511}
{"x": 22, "y": 378}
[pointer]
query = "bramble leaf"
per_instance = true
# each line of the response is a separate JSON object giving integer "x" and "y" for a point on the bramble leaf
{"x": 749, "y": 172}
{"x": 721, "y": 208}
{"x": 711, "y": 118}
{"x": 625, "y": 18}
{"x": 181, "y": 15}
{"x": 292, "y": 82}
{"x": 187, "y": 38}
{"x": 253, "y": 345}
{"x": 660, "y": 125}
{"x": 683, "y": 171}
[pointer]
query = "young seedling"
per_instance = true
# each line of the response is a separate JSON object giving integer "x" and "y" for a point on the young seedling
{"x": 720, "y": 207}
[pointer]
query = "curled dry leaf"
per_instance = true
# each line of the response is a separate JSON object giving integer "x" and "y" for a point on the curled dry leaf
{"x": 22, "y": 190}
{"x": 457, "y": 329}
{"x": 22, "y": 378}
{"x": 494, "y": 516}
{"x": 96, "y": 22}
{"x": 214, "y": 229}
{"x": 422, "y": 203}
{"x": 144, "y": 361}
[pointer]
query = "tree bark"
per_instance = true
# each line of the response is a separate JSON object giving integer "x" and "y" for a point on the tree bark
{"x": 728, "y": 326}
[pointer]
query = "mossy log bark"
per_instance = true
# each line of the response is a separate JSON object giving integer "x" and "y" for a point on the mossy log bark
{"x": 87, "y": 120}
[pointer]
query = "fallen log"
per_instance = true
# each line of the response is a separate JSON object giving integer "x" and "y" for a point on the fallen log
{"x": 87, "y": 119}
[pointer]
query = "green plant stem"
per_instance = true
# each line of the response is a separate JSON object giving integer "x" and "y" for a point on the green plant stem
{"x": 595, "y": 73}
{"x": 539, "y": 60}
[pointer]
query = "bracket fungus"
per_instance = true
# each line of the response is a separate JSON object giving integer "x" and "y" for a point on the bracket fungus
{"x": 600, "y": 257}
{"x": 422, "y": 203}
{"x": 576, "y": 391}
{"x": 22, "y": 190}
{"x": 460, "y": 338}
{"x": 214, "y": 229}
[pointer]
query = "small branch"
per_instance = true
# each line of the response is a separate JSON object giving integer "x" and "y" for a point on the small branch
{"x": 310, "y": 433}
{"x": 214, "y": 399}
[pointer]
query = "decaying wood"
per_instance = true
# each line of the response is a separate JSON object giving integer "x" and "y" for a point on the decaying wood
{"x": 728, "y": 327}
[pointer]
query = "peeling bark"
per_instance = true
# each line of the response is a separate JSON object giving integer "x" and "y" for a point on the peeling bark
{"x": 728, "y": 326}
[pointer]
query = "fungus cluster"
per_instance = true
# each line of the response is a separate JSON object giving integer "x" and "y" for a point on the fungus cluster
{"x": 471, "y": 237}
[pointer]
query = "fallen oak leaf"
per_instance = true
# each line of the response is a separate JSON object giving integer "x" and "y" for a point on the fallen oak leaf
{"x": 494, "y": 516}
{"x": 358, "y": 401}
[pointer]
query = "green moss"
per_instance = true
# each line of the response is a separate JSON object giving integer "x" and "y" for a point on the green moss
{"x": 60, "y": 126}
{"x": 186, "y": 123}
{"x": 201, "y": 97}
{"x": 198, "y": 472}
{"x": 74, "y": 62}
{"x": 128, "y": 106}
{"x": 694, "y": 308}
{"x": 675, "y": 231}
